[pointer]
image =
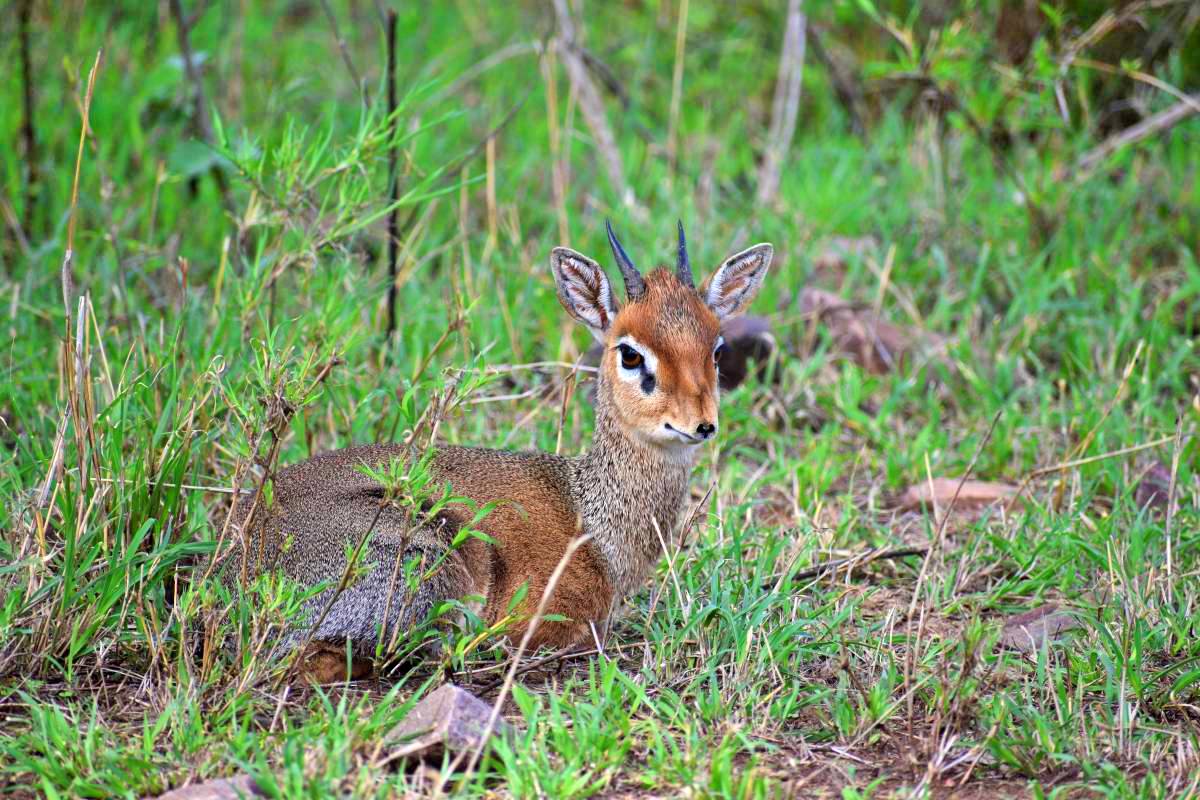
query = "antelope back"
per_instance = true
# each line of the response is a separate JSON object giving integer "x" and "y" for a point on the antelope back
{"x": 658, "y": 373}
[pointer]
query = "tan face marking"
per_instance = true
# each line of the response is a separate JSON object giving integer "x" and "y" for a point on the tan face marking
{"x": 674, "y": 332}
{"x": 660, "y": 377}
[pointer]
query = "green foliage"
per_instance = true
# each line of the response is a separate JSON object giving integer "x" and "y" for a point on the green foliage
{"x": 235, "y": 316}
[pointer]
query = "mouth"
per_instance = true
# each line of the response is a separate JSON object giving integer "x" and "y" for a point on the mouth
{"x": 686, "y": 438}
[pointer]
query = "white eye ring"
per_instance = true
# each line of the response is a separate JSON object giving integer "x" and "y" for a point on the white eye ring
{"x": 648, "y": 365}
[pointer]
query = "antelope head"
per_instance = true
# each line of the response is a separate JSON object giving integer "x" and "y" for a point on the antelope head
{"x": 658, "y": 375}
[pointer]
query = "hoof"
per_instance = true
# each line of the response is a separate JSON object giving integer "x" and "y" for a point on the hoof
{"x": 325, "y": 663}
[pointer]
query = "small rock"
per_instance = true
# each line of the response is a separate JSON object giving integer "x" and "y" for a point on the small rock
{"x": 450, "y": 718}
{"x": 235, "y": 788}
{"x": 1154, "y": 489}
{"x": 973, "y": 494}
{"x": 1027, "y": 632}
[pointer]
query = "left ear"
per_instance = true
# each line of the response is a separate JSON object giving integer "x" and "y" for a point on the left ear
{"x": 734, "y": 285}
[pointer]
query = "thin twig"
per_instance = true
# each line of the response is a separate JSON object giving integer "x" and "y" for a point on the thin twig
{"x": 28, "y": 127}
{"x": 1140, "y": 77}
{"x": 393, "y": 222}
{"x": 860, "y": 560}
{"x": 1151, "y": 126}
{"x": 14, "y": 226}
{"x": 492, "y": 60}
{"x": 848, "y": 92}
{"x": 337, "y": 592}
{"x": 341, "y": 43}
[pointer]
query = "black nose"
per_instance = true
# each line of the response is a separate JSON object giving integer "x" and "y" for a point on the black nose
{"x": 705, "y": 430}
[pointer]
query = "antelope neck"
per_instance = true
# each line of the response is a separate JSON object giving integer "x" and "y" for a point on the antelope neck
{"x": 625, "y": 486}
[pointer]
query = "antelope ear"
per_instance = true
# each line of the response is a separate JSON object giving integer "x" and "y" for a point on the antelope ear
{"x": 583, "y": 290}
{"x": 735, "y": 283}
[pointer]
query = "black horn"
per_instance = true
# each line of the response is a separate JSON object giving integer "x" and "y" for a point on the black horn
{"x": 635, "y": 287}
{"x": 683, "y": 265}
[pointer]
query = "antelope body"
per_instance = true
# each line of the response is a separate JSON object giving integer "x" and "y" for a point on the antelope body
{"x": 656, "y": 401}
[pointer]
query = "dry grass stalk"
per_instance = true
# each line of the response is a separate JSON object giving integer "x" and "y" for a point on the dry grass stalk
{"x": 69, "y": 256}
{"x": 1168, "y": 533}
{"x": 514, "y": 663}
{"x": 1079, "y": 462}
{"x": 786, "y": 105}
{"x": 591, "y": 104}
{"x": 558, "y": 169}
{"x": 44, "y": 494}
{"x": 935, "y": 547}
{"x": 677, "y": 88}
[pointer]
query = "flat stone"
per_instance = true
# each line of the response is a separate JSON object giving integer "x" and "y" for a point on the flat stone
{"x": 448, "y": 719}
{"x": 942, "y": 491}
{"x": 1027, "y": 632}
{"x": 235, "y": 788}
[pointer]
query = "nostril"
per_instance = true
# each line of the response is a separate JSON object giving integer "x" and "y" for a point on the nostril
{"x": 706, "y": 429}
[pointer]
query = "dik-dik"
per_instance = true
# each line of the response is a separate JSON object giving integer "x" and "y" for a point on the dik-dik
{"x": 656, "y": 404}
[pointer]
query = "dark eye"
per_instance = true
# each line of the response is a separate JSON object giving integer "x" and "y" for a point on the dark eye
{"x": 719, "y": 351}
{"x": 630, "y": 358}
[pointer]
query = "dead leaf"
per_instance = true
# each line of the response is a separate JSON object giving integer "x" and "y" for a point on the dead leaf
{"x": 1027, "y": 632}
{"x": 858, "y": 333}
{"x": 450, "y": 718}
{"x": 973, "y": 494}
{"x": 1154, "y": 489}
{"x": 235, "y": 788}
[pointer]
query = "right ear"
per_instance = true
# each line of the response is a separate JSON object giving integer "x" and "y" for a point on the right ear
{"x": 583, "y": 290}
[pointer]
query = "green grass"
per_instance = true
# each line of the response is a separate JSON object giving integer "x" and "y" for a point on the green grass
{"x": 207, "y": 332}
